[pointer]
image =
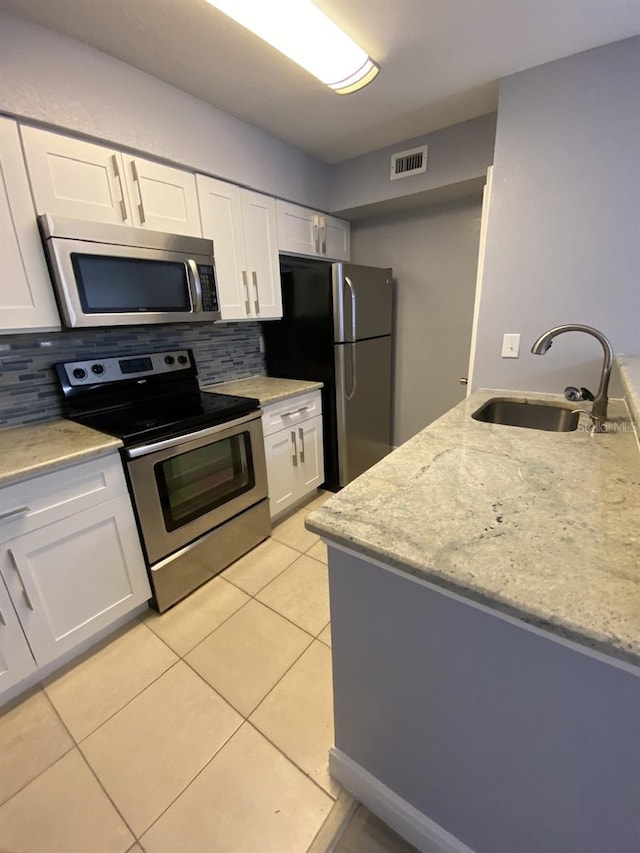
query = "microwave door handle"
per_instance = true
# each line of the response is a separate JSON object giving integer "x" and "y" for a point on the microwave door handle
{"x": 196, "y": 285}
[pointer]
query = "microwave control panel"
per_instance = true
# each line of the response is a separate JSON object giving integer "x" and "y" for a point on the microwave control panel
{"x": 208, "y": 283}
{"x": 99, "y": 370}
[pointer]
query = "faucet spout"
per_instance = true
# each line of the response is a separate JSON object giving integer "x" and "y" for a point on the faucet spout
{"x": 601, "y": 399}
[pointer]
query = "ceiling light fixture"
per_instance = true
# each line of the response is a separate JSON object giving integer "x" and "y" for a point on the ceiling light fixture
{"x": 299, "y": 30}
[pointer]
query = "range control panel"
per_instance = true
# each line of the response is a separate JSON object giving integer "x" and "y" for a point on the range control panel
{"x": 100, "y": 370}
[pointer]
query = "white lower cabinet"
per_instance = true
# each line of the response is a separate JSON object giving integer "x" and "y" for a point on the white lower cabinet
{"x": 293, "y": 450}
{"x": 16, "y": 660}
{"x": 70, "y": 564}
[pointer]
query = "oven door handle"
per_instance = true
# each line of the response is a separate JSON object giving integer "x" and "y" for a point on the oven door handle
{"x": 146, "y": 449}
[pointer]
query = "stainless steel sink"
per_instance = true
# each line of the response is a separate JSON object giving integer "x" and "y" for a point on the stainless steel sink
{"x": 502, "y": 410}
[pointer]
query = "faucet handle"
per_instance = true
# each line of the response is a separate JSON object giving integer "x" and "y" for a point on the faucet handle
{"x": 572, "y": 393}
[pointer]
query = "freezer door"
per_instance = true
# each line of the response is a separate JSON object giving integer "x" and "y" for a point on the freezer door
{"x": 362, "y": 302}
{"x": 363, "y": 405}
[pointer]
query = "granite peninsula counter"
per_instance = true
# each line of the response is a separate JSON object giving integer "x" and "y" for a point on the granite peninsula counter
{"x": 542, "y": 526}
{"x": 485, "y": 620}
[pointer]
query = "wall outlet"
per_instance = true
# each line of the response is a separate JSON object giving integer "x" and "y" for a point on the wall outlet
{"x": 511, "y": 346}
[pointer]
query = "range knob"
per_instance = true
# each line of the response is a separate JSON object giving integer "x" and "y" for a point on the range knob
{"x": 98, "y": 369}
{"x": 169, "y": 359}
{"x": 182, "y": 359}
{"x": 79, "y": 372}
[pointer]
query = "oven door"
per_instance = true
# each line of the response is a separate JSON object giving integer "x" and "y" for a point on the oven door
{"x": 186, "y": 486}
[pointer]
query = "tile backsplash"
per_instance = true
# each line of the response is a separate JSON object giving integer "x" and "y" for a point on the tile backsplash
{"x": 28, "y": 386}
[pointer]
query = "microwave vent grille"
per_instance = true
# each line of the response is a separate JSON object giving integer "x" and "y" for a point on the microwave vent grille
{"x": 404, "y": 164}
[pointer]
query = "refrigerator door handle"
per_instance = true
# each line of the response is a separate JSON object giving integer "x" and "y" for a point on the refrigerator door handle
{"x": 352, "y": 292}
{"x": 352, "y": 357}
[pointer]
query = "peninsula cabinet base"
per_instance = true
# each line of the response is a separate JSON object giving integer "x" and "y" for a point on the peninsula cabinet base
{"x": 468, "y": 731}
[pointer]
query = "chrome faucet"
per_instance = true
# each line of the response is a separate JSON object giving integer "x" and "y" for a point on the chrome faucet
{"x": 601, "y": 399}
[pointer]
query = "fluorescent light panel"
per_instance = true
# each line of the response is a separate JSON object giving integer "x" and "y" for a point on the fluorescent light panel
{"x": 299, "y": 30}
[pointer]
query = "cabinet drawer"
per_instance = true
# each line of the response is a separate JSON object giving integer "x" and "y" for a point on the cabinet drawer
{"x": 42, "y": 500}
{"x": 293, "y": 410}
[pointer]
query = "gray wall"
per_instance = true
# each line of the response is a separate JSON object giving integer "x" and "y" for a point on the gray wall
{"x": 563, "y": 239}
{"x": 456, "y": 154}
{"x": 57, "y": 80}
{"x": 434, "y": 255}
{"x": 509, "y": 740}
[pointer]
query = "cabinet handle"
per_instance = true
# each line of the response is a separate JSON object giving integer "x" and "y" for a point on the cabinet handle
{"x": 323, "y": 221}
{"x": 254, "y": 276}
{"x": 2, "y": 619}
{"x": 14, "y": 563}
{"x": 295, "y": 412}
{"x": 245, "y": 284}
{"x": 116, "y": 171}
{"x": 301, "y": 434}
{"x": 14, "y": 513}
{"x": 294, "y": 458}
{"x": 136, "y": 178}
{"x": 316, "y": 237}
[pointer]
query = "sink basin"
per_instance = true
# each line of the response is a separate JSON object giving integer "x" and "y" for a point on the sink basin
{"x": 502, "y": 410}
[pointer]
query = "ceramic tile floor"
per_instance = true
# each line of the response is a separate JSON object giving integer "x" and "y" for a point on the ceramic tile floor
{"x": 204, "y": 729}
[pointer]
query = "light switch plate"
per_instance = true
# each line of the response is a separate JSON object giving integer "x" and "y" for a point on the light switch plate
{"x": 511, "y": 346}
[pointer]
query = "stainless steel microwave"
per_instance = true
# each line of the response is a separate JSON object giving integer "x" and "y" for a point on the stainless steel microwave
{"x": 113, "y": 275}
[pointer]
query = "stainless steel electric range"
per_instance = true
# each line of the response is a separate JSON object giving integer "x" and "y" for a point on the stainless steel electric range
{"x": 194, "y": 462}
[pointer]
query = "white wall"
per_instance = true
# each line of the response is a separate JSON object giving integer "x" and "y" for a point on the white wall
{"x": 433, "y": 253}
{"x": 563, "y": 240}
{"x": 49, "y": 78}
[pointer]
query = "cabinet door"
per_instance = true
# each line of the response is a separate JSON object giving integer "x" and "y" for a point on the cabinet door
{"x": 16, "y": 660}
{"x": 72, "y": 578}
{"x": 261, "y": 241}
{"x": 310, "y": 455}
{"x": 282, "y": 470}
{"x": 297, "y": 229}
{"x": 26, "y": 296}
{"x": 73, "y": 178}
{"x": 336, "y": 238}
{"x": 221, "y": 212}
{"x": 162, "y": 198}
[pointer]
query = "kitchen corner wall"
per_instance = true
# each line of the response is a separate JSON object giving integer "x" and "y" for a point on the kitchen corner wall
{"x": 434, "y": 255}
{"x": 563, "y": 233}
{"x": 28, "y": 386}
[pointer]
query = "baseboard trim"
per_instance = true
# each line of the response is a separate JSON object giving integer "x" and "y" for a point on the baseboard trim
{"x": 400, "y": 815}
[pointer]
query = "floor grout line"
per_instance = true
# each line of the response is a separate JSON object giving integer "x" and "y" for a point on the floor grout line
{"x": 108, "y": 796}
{"x": 245, "y": 719}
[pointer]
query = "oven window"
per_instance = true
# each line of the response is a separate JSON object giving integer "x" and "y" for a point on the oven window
{"x": 194, "y": 483}
{"x": 111, "y": 285}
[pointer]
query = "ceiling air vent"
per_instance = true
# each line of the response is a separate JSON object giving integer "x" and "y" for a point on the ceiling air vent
{"x": 407, "y": 163}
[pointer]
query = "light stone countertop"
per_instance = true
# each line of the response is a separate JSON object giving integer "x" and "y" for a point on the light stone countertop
{"x": 542, "y": 526}
{"x": 267, "y": 389}
{"x": 629, "y": 367}
{"x": 28, "y": 451}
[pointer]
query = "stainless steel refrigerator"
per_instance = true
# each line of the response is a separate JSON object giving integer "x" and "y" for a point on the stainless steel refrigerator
{"x": 337, "y": 329}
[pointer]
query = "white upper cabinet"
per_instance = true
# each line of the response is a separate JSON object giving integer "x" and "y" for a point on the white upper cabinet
{"x": 27, "y": 302}
{"x": 242, "y": 225}
{"x": 81, "y": 180}
{"x": 76, "y": 179}
{"x": 302, "y": 231}
{"x": 162, "y": 198}
{"x": 261, "y": 240}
